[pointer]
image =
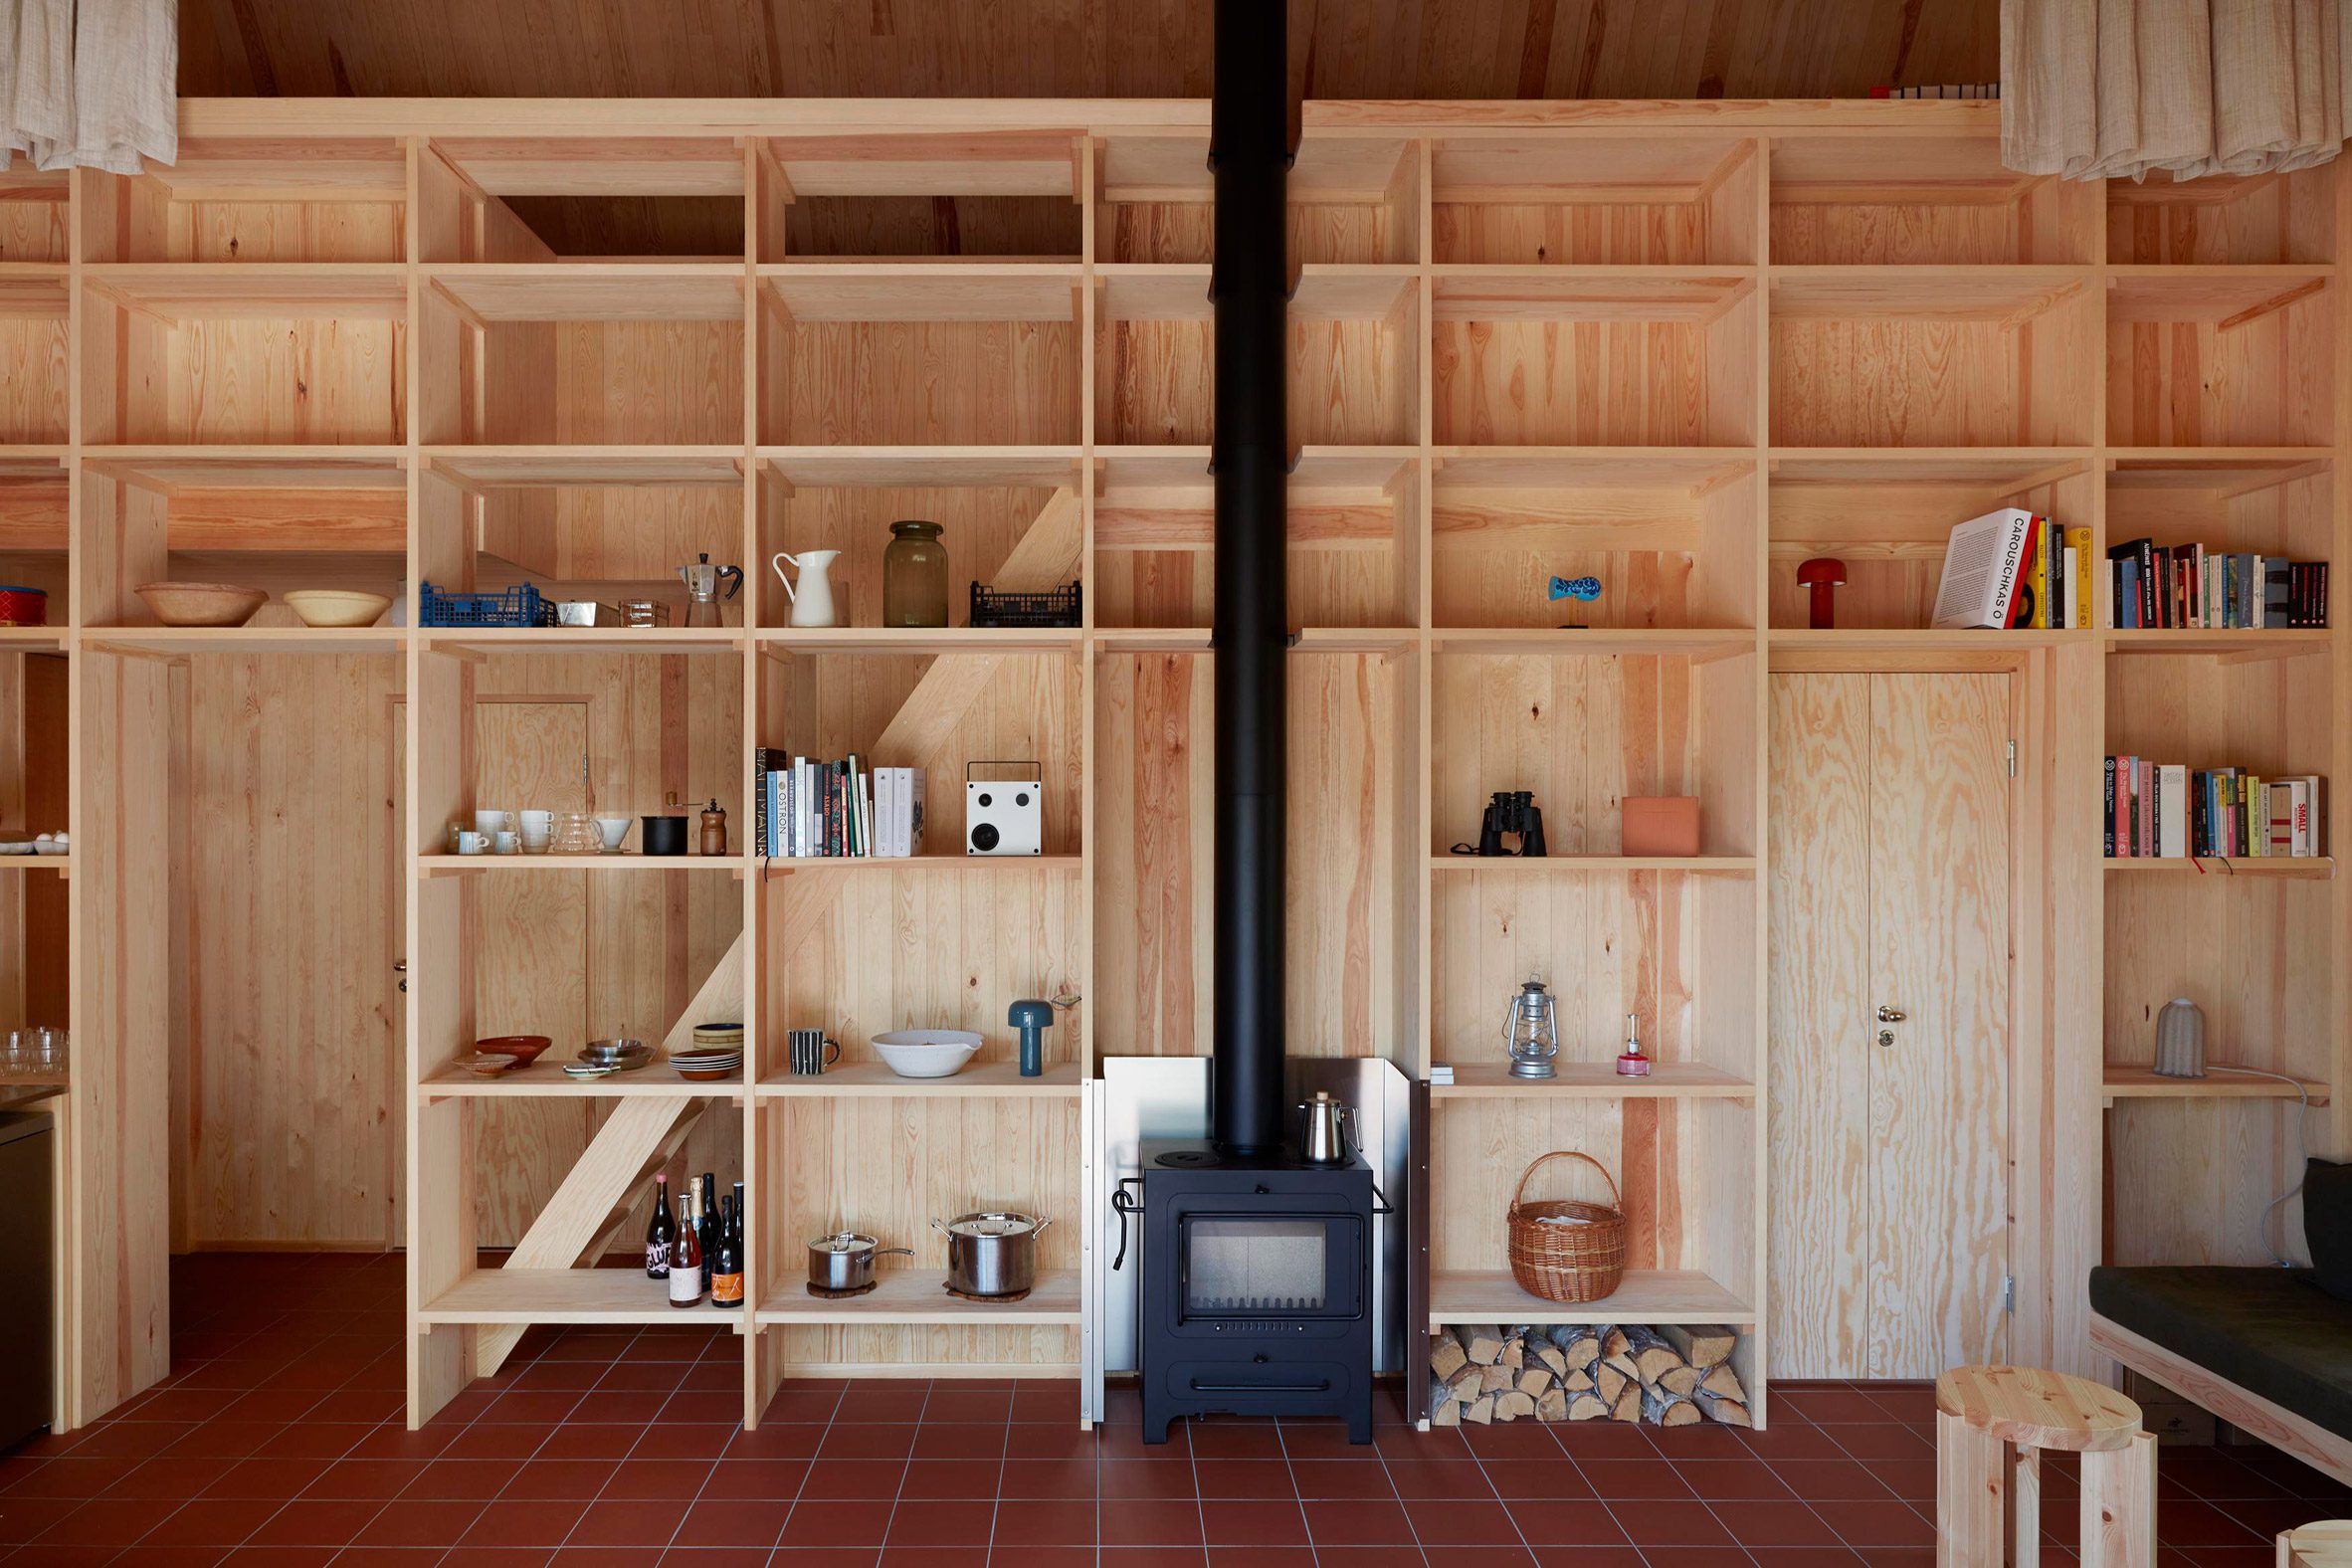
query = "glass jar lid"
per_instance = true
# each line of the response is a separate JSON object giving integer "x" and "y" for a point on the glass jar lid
{"x": 916, "y": 528}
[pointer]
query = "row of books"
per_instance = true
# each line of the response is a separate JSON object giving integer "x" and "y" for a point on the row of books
{"x": 2188, "y": 585}
{"x": 810, "y": 810}
{"x": 2169, "y": 810}
{"x": 2014, "y": 568}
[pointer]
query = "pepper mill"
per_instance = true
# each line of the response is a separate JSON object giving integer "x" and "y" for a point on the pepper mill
{"x": 714, "y": 827}
{"x": 1631, "y": 1063}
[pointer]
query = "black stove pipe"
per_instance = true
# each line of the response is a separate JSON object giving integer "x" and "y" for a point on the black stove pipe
{"x": 1250, "y": 156}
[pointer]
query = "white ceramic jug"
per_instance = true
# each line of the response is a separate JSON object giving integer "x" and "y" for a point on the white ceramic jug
{"x": 811, "y": 599}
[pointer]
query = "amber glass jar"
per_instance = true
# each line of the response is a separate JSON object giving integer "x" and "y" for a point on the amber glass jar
{"x": 914, "y": 576}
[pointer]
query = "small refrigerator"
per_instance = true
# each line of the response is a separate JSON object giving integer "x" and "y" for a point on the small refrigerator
{"x": 26, "y": 1144}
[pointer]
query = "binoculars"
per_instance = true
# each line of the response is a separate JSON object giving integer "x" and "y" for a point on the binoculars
{"x": 1512, "y": 812}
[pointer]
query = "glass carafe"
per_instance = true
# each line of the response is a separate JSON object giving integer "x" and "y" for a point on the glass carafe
{"x": 914, "y": 576}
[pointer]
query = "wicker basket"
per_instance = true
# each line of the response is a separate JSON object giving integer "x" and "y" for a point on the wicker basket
{"x": 1567, "y": 1263}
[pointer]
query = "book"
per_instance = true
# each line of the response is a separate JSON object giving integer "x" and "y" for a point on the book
{"x": 2081, "y": 612}
{"x": 1985, "y": 562}
{"x": 2172, "y": 810}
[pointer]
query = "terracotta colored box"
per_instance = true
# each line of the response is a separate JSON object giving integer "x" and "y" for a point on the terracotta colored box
{"x": 1658, "y": 824}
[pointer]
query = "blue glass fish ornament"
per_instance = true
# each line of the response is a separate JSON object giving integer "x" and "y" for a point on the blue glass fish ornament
{"x": 1585, "y": 588}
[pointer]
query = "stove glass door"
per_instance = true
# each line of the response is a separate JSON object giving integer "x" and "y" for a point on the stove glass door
{"x": 1276, "y": 1265}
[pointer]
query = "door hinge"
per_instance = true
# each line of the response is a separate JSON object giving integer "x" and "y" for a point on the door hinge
{"x": 2012, "y": 759}
{"x": 2009, "y": 1293}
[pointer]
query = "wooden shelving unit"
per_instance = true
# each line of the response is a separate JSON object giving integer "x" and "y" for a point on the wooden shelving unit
{"x": 1671, "y": 346}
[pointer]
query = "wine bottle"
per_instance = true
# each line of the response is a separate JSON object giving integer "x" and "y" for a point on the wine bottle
{"x": 662, "y": 1233}
{"x": 686, "y": 1265}
{"x": 706, "y": 1218}
{"x": 726, "y": 1268}
{"x": 742, "y": 1241}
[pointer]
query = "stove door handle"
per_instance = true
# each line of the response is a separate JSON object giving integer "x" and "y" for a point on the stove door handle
{"x": 1319, "y": 1386}
{"x": 1380, "y": 1204}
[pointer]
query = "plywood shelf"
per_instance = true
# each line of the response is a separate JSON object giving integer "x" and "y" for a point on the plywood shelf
{"x": 568, "y": 1295}
{"x": 241, "y": 467}
{"x": 1898, "y": 640}
{"x": 2009, "y": 294}
{"x": 1697, "y": 469}
{"x": 592, "y": 291}
{"x": 1645, "y": 1295}
{"x": 875, "y": 865}
{"x": 2225, "y": 295}
{"x": 627, "y": 861}
{"x": 927, "y": 467}
{"x": 262, "y": 290}
{"x": 1538, "y": 865}
{"x": 1597, "y": 642}
{"x": 545, "y": 1077}
{"x": 923, "y": 291}
{"x": 873, "y": 1079}
{"x": 2119, "y": 1080}
{"x": 183, "y": 639}
{"x": 2285, "y": 642}
{"x": 920, "y": 1295}
{"x": 1588, "y": 293}
{"x": 779, "y": 642}
{"x": 1489, "y": 1080}
{"x": 63, "y": 865}
{"x": 585, "y": 638}
{"x": 557, "y": 467}
{"x": 2312, "y": 865}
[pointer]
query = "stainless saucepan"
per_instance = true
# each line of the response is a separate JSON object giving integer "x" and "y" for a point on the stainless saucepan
{"x": 845, "y": 1262}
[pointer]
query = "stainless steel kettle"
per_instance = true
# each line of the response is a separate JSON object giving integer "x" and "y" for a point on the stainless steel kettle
{"x": 702, "y": 582}
{"x": 1324, "y": 1134}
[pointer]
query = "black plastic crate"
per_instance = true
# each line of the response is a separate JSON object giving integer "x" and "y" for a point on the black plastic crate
{"x": 1050, "y": 607}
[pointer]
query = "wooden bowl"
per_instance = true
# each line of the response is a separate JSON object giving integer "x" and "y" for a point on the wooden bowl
{"x": 524, "y": 1049}
{"x": 337, "y": 605}
{"x": 201, "y": 604}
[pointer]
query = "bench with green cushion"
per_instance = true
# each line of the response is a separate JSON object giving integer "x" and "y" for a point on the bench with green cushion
{"x": 2267, "y": 1349}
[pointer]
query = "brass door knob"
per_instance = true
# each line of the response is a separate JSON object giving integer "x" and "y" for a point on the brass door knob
{"x": 1889, "y": 1014}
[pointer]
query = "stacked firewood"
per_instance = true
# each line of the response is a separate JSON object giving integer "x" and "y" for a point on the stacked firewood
{"x": 1670, "y": 1376}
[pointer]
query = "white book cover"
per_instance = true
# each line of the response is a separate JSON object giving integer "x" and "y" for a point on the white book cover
{"x": 886, "y": 811}
{"x": 1981, "y": 566}
{"x": 914, "y": 811}
{"x": 806, "y": 816}
{"x": 2172, "y": 800}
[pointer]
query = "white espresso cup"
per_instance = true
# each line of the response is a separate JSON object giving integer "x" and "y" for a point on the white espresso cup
{"x": 488, "y": 822}
{"x": 508, "y": 841}
{"x": 472, "y": 843}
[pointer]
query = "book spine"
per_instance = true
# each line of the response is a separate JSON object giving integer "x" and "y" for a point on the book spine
{"x": 2108, "y": 769}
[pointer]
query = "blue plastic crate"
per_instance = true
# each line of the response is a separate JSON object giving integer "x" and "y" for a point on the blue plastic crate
{"x": 521, "y": 605}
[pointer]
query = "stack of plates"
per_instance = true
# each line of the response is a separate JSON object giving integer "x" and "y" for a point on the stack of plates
{"x": 706, "y": 1064}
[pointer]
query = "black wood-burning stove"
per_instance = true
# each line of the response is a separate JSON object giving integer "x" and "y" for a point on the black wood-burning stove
{"x": 1256, "y": 1287}
{"x": 1256, "y": 1282}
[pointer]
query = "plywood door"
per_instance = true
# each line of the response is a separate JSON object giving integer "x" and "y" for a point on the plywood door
{"x": 1890, "y": 886}
{"x": 1939, "y": 953}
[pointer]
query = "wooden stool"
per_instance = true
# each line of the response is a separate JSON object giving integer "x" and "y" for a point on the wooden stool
{"x": 2326, "y": 1544}
{"x": 1991, "y": 1423}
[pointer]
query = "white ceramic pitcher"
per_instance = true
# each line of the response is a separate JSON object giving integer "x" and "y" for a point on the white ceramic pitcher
{"x": 811, "y": 599}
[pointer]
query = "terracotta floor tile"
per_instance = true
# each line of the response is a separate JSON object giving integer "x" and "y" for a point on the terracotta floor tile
{"x": 1358, "y": 1524}
{"x": 1652, "y": 1526}
{"x": 885, "y": 1400}
{"x": 1341, "y": 1478}
{"x": 1226, "y": 1521}
{"x": 320, "y": 1522}
{"x": 434, "y": 1522}
{"x": 1068, "y": 1480}
{"x": 1045, "y": 1521}
{"x": 940, "y": 1523}
{"x": 519, "y": 1523}
{"x": 1588, "y": 1557}
{"x": 754, "y": 1480}
{"x": 952, "y": 1405}
{"x": 833, "y": 1523}
{"x": 904, "y": 1557}
{"x": 860, "y": 1480}
{"x": 1231, "y": 1441}
{"x": 1715, "y": 1480}
{"x": 113, "y": 1524}
{"x": 1269, "y": 1558}
{"x": 950, "y": 1479}
{"x": 1522, "y": 1439}
{"x": 625, "y": 1524}
{"x": 1257, "y": 1479}
{"x": 1864, "y": 1525}
{"x": 960, "y": 1439}
{"x": 1767, "y": 1523}
{"x": 1463, "y": 1521}
{"x": 1149, "y": 1521}
{"x": 734, "y": 1522}
{"x": 606, "y": 1557}
{"x": 1830, "y": 1480}
{"x": 1647, "y": 1479}
{"x": 1462, "y": 1477}
{"x": 207, "y": 1522}
{"x": 656, "y": 1480}
{"x": 1578, "y": 1523}
{"x": 498, "y": 1557}
{"x": 776, "y": 1439}
{"x": 867, "y": 1440}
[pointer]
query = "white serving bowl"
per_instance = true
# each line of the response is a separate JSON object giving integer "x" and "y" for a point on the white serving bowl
{"x": 926, "y": 1052}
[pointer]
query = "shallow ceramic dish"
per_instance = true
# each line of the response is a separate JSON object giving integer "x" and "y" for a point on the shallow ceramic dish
{"x": 581, "y": 1069}
{"x": 926, "y": 1052}
{"x": 201, "y": 604}
{"x": 524, "y": 1049}
{"x": 704, "y": 1075}
{"x": 337, "y": 605}
{"x": 491, "y": 1064}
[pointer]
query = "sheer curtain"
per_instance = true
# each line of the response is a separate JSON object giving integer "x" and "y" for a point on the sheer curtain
{"x": 91, "y": 84}
{"x": 2093, "y": 88}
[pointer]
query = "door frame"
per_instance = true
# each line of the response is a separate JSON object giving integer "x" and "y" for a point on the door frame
{"x": 2055, "y": 1044}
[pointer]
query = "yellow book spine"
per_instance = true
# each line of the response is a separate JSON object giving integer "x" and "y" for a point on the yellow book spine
{"x": 2079, "y": 540}
{"x": 2038, "y": 578}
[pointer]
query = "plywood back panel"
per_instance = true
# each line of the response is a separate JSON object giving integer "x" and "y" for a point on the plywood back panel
{"x": 1154, "y": 793}
{"x": 888, "y": 1167}
{"x": 897, "y": 383}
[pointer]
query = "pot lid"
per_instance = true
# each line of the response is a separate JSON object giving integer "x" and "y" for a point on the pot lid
{"x": 1002, "y": 1224}
{"x": 845, "y": 1242}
